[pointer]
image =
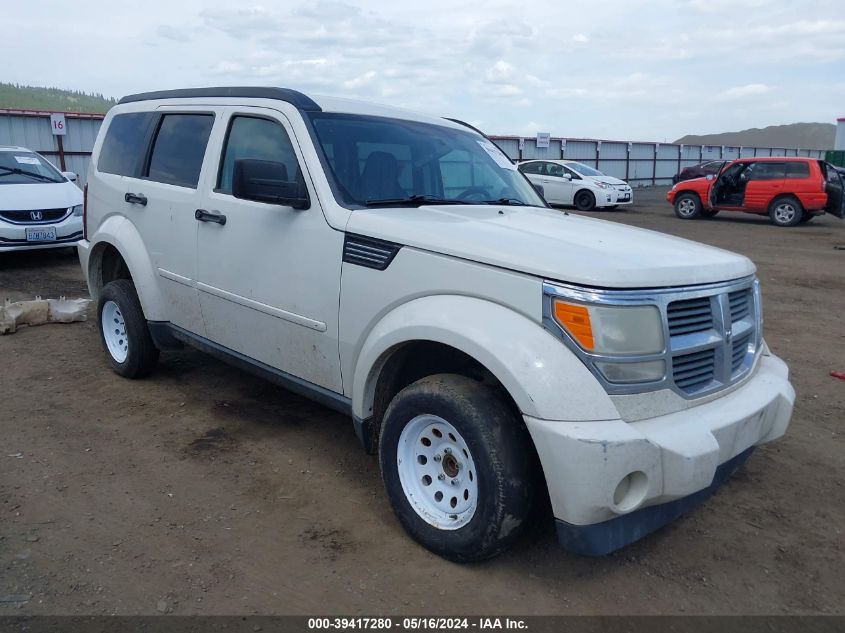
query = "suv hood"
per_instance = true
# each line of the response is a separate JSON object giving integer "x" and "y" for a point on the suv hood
{"x": 554, "y": 245}
{"x": 22, "y": 197}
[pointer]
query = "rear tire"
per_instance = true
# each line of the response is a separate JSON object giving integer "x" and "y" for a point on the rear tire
{"x": 124, "y": 332}
{"x": 585, "y": 200}
{"x": 458, "y": 467}
{"x": 688, "y": 206}
{"x": 785, "y": 211}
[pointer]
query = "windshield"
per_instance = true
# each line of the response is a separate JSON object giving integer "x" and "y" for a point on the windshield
{"x": 19, "y": 168}
{"x": 379, "y": 160}
{"x": 584, "y": 170}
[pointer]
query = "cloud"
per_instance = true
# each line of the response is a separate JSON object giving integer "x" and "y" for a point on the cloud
{"x": 742, "y": 92}
{"x": 580, "y": 38}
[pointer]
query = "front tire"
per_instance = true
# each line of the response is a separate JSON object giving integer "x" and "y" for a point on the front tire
{"x": 457, "y": 466}
{"x": 585, "y": 200}
{"x": 688, "y": 206}
{"x": 124, "y": 332}
{"x": 785, "y": 211}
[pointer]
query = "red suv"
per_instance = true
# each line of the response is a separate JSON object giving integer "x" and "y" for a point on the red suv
{"x": 789, "y": 189}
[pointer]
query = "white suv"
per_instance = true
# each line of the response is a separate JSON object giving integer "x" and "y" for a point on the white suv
{"x": 40, "y": 207}
{"x": 568, "y": 182}
{"x": 400, "y": 269}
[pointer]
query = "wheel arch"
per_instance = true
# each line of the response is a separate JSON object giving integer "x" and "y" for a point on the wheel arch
{"x": 476, "y": 338}
{"x": 118, "y": 252}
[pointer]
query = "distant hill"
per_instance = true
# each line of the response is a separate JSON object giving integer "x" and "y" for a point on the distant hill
{"x": 20, "y": 97}
{"x": 799, "y": 135}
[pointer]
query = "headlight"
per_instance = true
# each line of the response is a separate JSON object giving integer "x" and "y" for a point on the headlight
{"x": 614, "y": 333}
{"x": 77, "y": 210}
{"x": 600, "y": 184}
{"x": 612, "y": 329}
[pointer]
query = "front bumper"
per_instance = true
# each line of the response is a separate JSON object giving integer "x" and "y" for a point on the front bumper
{"x": 614, "y": 197}
{"x": 612, "y": 482}
{"x": 13, "y": 236}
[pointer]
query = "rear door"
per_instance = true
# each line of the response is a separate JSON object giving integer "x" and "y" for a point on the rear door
{"x": 835, "y": 189}
{"x": 764, "y": 181}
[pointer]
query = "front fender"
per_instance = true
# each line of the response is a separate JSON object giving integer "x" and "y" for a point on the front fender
{"x": 542, "y": 376}
{"x": 120, "y": 233}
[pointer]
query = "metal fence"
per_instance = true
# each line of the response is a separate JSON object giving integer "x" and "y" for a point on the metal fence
{"x": 641, "y": 164}
{"x": 32, "y": 129}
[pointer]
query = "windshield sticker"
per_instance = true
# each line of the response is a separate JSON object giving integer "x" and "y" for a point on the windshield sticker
{"x": 496, "y": 154}
{"x": 27, "y": 160}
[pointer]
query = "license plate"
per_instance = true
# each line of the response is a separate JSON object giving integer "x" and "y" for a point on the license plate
{"x": 624, "y": 198}
{"x": 47, "y": 234}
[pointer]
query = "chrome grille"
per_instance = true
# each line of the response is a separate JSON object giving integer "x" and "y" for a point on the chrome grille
{"x": 689, "y": 315}
{"x": 694, "y": 371}
{"x": 739, "y": 352}
{"x": 740, "y": 302}
{"x": 724, "y": 339}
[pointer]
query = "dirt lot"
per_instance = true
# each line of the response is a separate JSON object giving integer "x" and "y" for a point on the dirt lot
{"x": 203, "y": 490}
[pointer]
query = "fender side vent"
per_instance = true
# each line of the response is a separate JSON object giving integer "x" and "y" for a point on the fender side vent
{"x": 369, "y": 252}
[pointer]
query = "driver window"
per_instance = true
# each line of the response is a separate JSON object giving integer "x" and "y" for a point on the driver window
{"x": 575, "y": 176}
{"x": 553, "y": 169}
{"x": 261, "y": 139}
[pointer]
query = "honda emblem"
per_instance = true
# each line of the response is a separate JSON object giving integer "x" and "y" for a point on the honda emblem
{"x": 36, "y": 215}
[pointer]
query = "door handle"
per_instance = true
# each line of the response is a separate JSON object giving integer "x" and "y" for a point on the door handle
{"x": 210, "y": 216}
{"x": 136, "y": 198}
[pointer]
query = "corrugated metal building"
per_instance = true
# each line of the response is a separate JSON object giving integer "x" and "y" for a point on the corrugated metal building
{"x": 31, "y": 129}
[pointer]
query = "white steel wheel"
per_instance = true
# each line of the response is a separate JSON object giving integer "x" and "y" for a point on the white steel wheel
{"x": 437, "y": 472}
{"x": 114, "y": 331}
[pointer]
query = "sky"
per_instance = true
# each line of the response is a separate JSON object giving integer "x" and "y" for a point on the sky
{"x": 619, "y": 69}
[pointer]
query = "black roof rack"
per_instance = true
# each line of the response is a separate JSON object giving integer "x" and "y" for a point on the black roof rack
{"x": 294, "y": 97}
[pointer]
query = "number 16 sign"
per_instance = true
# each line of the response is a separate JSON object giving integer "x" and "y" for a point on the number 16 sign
{"x": 57, "y": 124}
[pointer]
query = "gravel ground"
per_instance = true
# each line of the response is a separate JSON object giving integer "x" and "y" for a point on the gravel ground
{"x": 203, "y": 490}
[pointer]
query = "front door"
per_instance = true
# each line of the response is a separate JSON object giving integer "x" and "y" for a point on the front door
{"x": 269, "y": 277}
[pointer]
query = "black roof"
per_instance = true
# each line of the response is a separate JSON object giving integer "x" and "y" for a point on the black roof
{"x": 301, "y": 101}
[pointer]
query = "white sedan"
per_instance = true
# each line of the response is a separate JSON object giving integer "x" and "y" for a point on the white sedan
{"x": 40, "y": 207}
{"x": 568, "y": 182}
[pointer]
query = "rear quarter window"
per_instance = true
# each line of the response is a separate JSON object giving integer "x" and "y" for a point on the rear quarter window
{"x": 125, "y": 145}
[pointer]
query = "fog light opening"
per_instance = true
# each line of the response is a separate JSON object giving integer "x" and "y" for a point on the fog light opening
{"x": 630, "y": 492}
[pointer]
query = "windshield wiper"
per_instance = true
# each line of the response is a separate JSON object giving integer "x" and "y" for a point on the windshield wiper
{"x": 516, "y": 202}
{"x": 415, "y": 200}
{"x": 24, "y": 172}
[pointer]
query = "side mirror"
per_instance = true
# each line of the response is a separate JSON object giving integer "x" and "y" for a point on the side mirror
{"x": 540, "y": 190}
{"x": 267, "y": 181}
{"x": 567, "y": 176}
{"x": 70, "y": 175}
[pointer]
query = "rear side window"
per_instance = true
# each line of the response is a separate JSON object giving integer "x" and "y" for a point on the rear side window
{"x": 261, "y": 139}
{"x": 125, "y": 146}
{"x": 798, "y": 170}
{"x": 179, "y": 148}
{"x": 766, "y": 171}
